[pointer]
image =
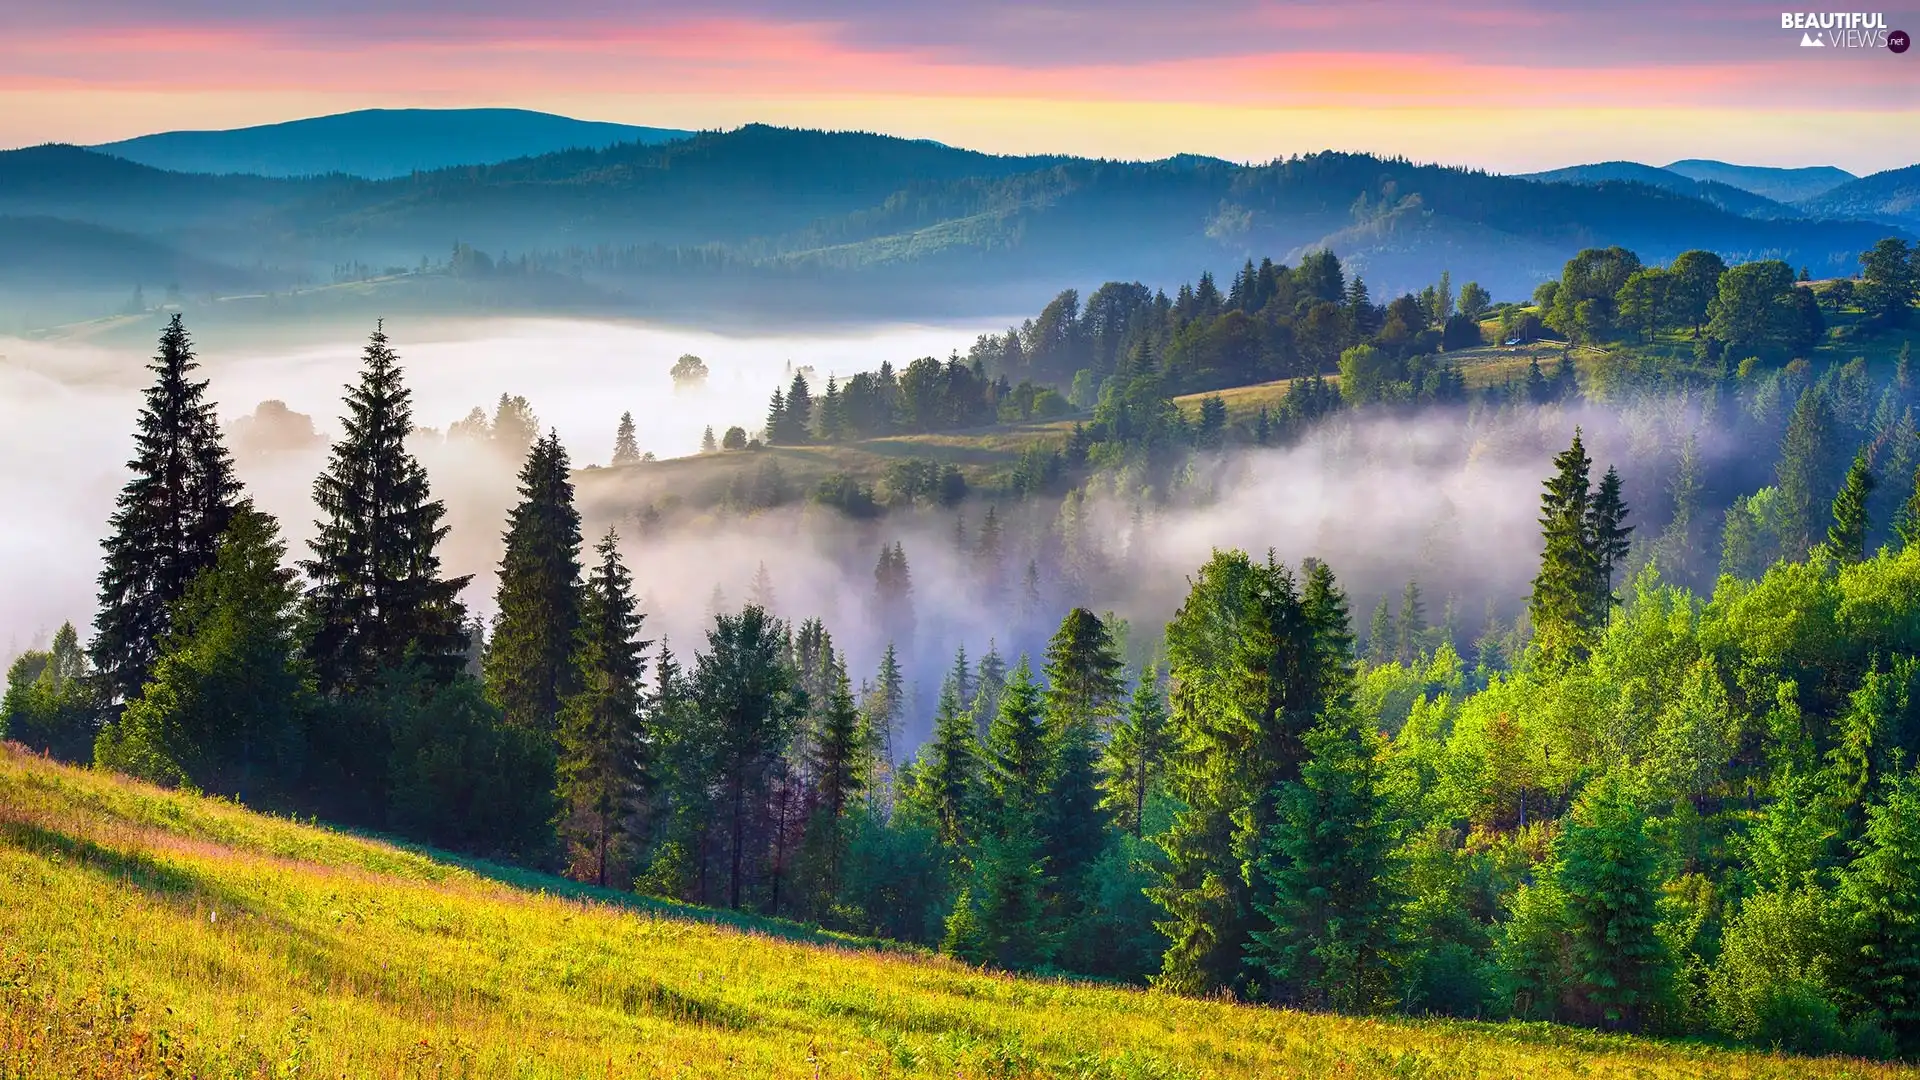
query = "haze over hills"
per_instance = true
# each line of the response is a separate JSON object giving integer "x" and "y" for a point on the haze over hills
{"x": 1892, "y": 196}
{"x": 1726, "y": 196}
{"x": 1780, "y": 185}
{"x": 379, "y": 143}
{"x": 772, "y": 219}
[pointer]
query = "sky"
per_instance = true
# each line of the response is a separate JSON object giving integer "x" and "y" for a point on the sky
{"x": 1508, "y": 85}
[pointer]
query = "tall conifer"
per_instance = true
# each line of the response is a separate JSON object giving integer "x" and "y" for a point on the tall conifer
{"x": 169, "y": 518}
{"x": 377, "y": 598}
{"x": 602, "y": 743}
{"x": 529, "y": 666}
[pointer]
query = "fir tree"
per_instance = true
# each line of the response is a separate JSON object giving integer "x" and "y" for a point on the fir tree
{"x": 602, "y": 741}
{"x": 708, "y": 445}
{"x": 777, "y": 416}
{"x": 1561, "y": 607}
{"x": 989, "y": 559}
{"x": 886, "y": 704}
{"x": 1246, "y": 684}
{"x": 626, "y": 451}
{"x": 839, "y": 754}
{"x": 1804, "y": 472}
{"x": 1381, "y": 646}
{"x": 1847, "y": 536}
{"x": 1084, "y": 685}
{"x": 744, "y": 687}
{"x": 945, "y": 779}
{"x": 760, "y": 589}
{"x": 893, "y": 595}
{"x": 226, "y": 706}
{"x": 1324, "y": 604}
{"x": 1017, "y": 760}
{"x": 529, "y": 666}
{"x": 377, "y": 598}
{"x": 166, "y": 528}
{"x": 990, "y": 680}
{"x": 1605, "y": 863}
{"x": 1134, "y": 756}
{"x": 1607, "y": 534}
{"x": 1326, "y": 860}
{"x": 1879, "y": 893}
{"x": 1410, "y": 629}
{"x": 796, "y": 420}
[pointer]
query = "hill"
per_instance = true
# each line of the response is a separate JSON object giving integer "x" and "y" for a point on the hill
{"x": 378, "y": 143}
{"x": 149, "y": 933}
{"x": 1728, "y": 197}
{"x": 1780, "y": 185}
{"x": 768, "y": 219}
{"x": 1892, "y": 196}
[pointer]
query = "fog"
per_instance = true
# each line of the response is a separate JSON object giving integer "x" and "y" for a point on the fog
{"x": 67, "y": 413}
{"x": 1445, "y": 497}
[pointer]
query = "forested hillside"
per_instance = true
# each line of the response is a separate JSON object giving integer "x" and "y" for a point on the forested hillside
{"x": 1663, "y": 782}
{"x": 854, "y": 223}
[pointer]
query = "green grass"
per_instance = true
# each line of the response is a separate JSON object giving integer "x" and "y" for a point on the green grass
{"x": 147, "y": 934}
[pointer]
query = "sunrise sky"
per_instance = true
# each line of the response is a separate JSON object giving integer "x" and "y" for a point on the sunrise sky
{"x": 1504, "y": 84}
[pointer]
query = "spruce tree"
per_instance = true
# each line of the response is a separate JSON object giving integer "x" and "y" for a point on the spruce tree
{"x": 1381, "y": 646}
{"x": 989, "y": 560}
{"x": 1804, "y": 472}
{"x": 1847, "y": 536}
{"x": 226, "y": 705}
{"x": 1246, "y": 683}
{"x": 1561, "y": 605}
{"x": 1134, "y": 756}
{"x": 1879, "y": 894}
{"x": 893, "y": 595}
{"x": 1017, "y": 761}
{"x": 747, "y": 693}
{"x": 1606, "y": 863}
{"x": 1326, "y": 858}
{"x": 990, "y": 681}
{"x": 1410, "y": 629}
{"x": 777, "y": 417}
{"x": 945, "y": 779}
{"x": 168, "y": 520}
{"x": 838, "y": 755}
{"x": 1084, "y": 685}
{"x": 886, "y": 704}
{"x": 1324, "y": 604}
{"x": 377, "y": 598}
{"x": 1607, "y": 534}
{"x": 708, "y": 445}
{"x": 626, "y": 451}
{"x": 602, "y": 740}
{"x": 529, "y": 666}
{"x": 797, "y": 418}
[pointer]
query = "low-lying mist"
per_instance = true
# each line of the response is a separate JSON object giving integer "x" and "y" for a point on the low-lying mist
{"x": 1444, "y": 497}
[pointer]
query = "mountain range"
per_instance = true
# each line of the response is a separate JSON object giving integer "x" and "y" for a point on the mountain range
{"x": 379, "y": 144}
{"x": 764, "y": 219}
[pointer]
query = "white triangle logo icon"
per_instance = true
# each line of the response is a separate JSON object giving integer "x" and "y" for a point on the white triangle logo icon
{"x": 1808, "y": 41}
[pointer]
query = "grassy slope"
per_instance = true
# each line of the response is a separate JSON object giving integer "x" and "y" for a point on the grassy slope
{"x": 143, "y": 930}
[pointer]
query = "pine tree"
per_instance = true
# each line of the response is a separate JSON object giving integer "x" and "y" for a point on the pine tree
{"x": 1804, "y": 472}
{"x": 626, "y": 451}
{"x": 1607, "y": 534}
{"x": 1246, "y": 684}
{"x": 893, "y": 595}
{"x": 777, "y": 417}
{"x": 168, "y": 521}
{"x": 226, "y": 706}
{"x": 377, "y": 598}
{"x": 529, "y": 665}
{"x": 945, "y": 778}
{"x": 885, "y": 705}
{"x": 1326, "y": 860}
{"x": 1084, "y": 684}
{"x": 1561, "y": 607}
{"x": 990, "y": 681}
{"x": 1847, "y": 536}
{"x": 1410, "y": 629}
{"x": 745, "y": 689}
{"x": 1017, "y": 760}
{"x": 1134, "y": 756}
{"x": 1606, "y": 863}
{"x": 1381, "y": 646}
{"x": 602, "y": 740}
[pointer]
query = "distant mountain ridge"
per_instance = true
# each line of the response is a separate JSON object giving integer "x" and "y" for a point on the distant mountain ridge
{"x": 1728, "y": 197}
{"x": 1893, "y": 195}
{"x": 378, "y": 144}
{"x": 762, "y": 219}
{"x": 1780, "y": 185}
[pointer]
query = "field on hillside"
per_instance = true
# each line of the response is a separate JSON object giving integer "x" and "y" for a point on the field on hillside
{"x": 150, "y": 934}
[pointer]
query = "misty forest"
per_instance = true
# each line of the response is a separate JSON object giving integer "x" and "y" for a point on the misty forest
{"x": 1444, "y": 653}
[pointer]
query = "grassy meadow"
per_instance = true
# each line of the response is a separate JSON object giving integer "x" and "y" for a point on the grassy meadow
{"x": 153, "y": 934}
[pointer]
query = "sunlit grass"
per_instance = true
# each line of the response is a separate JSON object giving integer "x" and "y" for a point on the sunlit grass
{"x": 152, "y": 934}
